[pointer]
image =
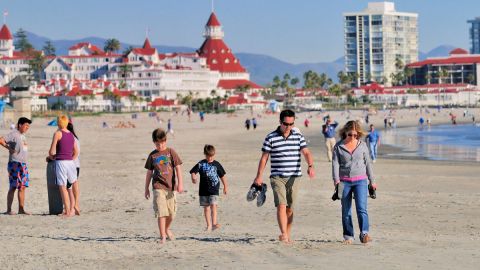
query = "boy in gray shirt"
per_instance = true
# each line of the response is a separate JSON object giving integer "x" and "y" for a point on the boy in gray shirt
{"x": 18, "y": 175}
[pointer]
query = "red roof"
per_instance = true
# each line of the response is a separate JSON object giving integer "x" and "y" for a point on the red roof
{"x": 219, "y": 56}
{"x": 79, "y": 92}
{"x": 452, "y": 60}
{"x": 233, "y": 84}
{"x": 232, "y": 100}
{"x": 5, "y": 33}
{"x": 124, "y": 93}
{"x": 458, "y": 51}
{"x": 162, "y": 102}
{"x": 142, "y": 51}
{"x": 4, "y": 90}
{"x": 213, "y": 21}
{"x": 146, "y": 44}
{"x": 90, "y": 46}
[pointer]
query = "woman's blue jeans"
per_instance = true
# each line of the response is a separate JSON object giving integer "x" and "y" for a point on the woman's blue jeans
{"x": 360, "y": 190}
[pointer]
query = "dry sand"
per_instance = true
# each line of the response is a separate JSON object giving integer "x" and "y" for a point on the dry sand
{"x": 426, "y": 215}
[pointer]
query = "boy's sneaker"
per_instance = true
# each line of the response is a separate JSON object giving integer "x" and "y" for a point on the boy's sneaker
{"x": 262, "y": 195}
{"x": 252, "y": 193}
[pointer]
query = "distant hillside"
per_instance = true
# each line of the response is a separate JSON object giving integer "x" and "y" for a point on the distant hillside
{"x": 262, "y": 67}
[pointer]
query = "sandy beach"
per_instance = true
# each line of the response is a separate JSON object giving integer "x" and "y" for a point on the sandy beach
{"x": 426, "y": 215}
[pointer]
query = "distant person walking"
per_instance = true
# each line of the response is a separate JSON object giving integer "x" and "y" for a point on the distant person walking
{"x": 328, "y": 131}
{"x": 247, "y": 124}
{"x": 373, "y": 141}
{"x": 254, "y": 123}
{"x": 170, "y": 128}
{"x": 18, "y": 175}
{"x": 283, "y": 146}
{"x": 352, "y": 172}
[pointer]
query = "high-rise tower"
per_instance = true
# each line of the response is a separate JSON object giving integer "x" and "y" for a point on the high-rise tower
{"x": 377, "y": 39}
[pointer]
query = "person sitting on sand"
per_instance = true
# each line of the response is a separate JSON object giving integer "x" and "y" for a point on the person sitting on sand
{"x": 162, "y": 165}
{"x": 18, "y": 175}
{"x": 211, "y": 173}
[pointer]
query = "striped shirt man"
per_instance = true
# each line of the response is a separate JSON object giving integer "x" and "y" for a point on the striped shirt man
{"x": 284, "y": 153}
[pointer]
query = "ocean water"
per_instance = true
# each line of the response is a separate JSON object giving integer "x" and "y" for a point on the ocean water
{"x": 445, "y": 142}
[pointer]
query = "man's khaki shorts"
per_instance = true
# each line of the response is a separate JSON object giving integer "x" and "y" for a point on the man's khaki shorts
{"x": 164, "y": 203}
{"x": 284, "y": 190}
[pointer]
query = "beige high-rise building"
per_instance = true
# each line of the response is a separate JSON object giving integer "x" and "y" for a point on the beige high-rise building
{"x": 375, "y": 38}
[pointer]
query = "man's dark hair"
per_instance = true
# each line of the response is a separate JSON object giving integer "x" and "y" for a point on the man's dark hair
{"x": 209, "y": 150}
{"x": 23, "y": 120}
{"x": 286, "y": 113}
{"x": 159, "y": 135}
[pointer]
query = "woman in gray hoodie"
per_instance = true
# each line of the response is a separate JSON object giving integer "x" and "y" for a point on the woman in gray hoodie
{"x": 352, "y": 172}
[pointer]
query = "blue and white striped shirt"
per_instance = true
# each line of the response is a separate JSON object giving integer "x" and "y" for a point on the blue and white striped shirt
{"x": 284, "y": 153}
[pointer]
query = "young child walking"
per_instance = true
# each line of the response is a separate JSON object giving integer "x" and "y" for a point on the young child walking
{"x": 211, "y": 173}
{"x": 162, "y": 165}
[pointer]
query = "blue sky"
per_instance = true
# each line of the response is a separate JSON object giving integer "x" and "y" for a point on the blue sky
{"x": 296, "y": 31}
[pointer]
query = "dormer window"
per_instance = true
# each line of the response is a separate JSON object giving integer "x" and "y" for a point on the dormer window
{"x": 223, "y": 51}
{"x": 214, "y": 51}
{"x": 214, "y": 61}
{"x": 227, "y": 61}
{"x": 235, "y": 61}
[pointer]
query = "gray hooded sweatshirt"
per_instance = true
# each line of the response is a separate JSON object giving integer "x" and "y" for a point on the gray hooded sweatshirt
{"x": 351, "y": 167}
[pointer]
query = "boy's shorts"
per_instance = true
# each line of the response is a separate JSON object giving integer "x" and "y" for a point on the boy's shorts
{"x": 164, "y": 203}
{"x": 18, "y": 175}
{"x": 66, "y": 172}
{"x": 284, "y": 190}
{"x": 208, "y": 200}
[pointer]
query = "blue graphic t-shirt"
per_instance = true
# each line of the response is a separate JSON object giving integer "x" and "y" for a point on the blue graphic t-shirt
{"x": 210, "y": 174}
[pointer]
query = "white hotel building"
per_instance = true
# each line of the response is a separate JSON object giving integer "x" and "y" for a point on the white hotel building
{"x": 143, "y": 70}
{"x": 375, "y": 38}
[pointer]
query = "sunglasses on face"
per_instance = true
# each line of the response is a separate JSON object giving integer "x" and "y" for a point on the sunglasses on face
{"x": 288, "y": 124}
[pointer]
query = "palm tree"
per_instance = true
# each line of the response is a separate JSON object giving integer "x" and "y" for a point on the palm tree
{"x": 36, "y": 64}
{"x": 111, "y": 45}
{"x": 294, "y": 81}
{"x": 408, "y": 73}
{"x": 443, "y": 74}
{"x": 428, "y": 77}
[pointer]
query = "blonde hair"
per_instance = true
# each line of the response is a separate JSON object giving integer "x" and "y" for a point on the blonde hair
{"x": 349, "y": 126}
{"x": 62, "y": 121}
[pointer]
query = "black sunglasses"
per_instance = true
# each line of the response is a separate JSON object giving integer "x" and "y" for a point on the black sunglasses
{"x": 288, "y": 124}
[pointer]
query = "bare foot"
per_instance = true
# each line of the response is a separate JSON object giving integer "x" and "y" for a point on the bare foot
{"x": 10, "y": 213}
{"x": 170, "y": 235}
{"x": 216, "y": 226}
{"x": 162, "y": 240}
{"x": 77, "y": 211}
{"x": 284, "y": 239}
{"x": 347, "y": 242}
{"x": 208, "y": 229}
{"x": 23, "y": 212}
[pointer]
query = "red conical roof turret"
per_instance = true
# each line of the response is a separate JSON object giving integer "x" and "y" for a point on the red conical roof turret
{"x": 146, "y": 44}
{"x": 213, "y": 21}
{"x": 5, "y": 33}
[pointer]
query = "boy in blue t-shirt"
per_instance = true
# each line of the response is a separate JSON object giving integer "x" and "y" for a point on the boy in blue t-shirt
{"x": 211, "y": 173}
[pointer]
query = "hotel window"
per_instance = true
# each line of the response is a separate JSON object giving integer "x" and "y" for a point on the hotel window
{"x": 227, "y": 61}
{"x": 214, "y": 51}
{"x": 214, "y": 61}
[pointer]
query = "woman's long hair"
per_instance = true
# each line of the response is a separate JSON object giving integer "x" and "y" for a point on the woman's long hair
{"x": 349, "y": 126}
{"x": 70, "y": 128}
